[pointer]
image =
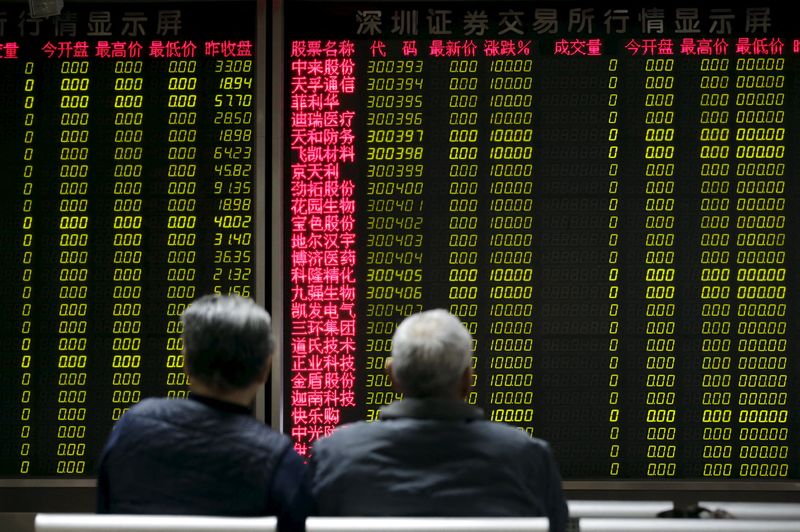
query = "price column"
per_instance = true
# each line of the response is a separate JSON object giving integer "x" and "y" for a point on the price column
{"x": 511, "y": 241}
{"x": 395, "y": 151}
{"x": 73, "y": 272}
{"x": 761, "y": 351}
{"x": 233, "y": 176}
{"x": 613, "y": 267}
{"x": 463, "y": 194}
{"x": 659, "y": 268}
{"x": 127, "y": 234}
{"x": 715, "y": 271}
{"x": 27, "y": 277}
{"x": 181, "y": 218}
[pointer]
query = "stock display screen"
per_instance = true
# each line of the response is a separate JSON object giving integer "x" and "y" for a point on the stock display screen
{"x": 128, "y": 151}
{"x": 605, "y": 195}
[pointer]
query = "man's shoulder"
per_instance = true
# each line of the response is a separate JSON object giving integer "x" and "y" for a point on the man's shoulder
{"x": 163, "y": 410}
{"x": 152, "y": 408}
{"x": 509, "y": 435}
{"x": 151, "y": 405}
{"x": 351, "y": 434}
{"x": 354, "y": 430}
{"x": 173, "y": 429}
{"x": 198, "y": 418}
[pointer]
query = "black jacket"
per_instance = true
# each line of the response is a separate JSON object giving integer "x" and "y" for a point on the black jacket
{"x": 201, "y": 457}
{"x": 436, "y": 458}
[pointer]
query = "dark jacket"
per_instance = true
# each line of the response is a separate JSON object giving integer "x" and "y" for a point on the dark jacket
{"x": 436, "y": 458}
{"x": 201, "y": 456}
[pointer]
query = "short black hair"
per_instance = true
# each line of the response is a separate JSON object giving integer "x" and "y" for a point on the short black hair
{"x": 227, "y": 341}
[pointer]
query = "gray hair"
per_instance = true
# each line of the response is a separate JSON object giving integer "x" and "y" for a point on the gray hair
{"x": 430, "y": 352}
{"x": 227, "y": 341}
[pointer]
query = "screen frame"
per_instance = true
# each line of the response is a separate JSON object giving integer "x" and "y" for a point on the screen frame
{"x": 681, "y": 491}
{"x": 45, "y": 501}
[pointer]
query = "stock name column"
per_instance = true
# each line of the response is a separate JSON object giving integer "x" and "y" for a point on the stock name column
{"x": 395, "y": 79}
{"x": 321, "y": 377}
{"x": 73, "y": 258}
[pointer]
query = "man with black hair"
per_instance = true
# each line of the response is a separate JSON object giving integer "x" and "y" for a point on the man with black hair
{"x": 208, "y": 455}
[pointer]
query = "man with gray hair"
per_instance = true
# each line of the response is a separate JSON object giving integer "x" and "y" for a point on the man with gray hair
{"x": 208, "y": 455}
{"x": 432, "y": 454}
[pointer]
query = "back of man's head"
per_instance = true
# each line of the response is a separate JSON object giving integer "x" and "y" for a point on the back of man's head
{"x": 431, "y": 351}
{"x": 227, "y": 341}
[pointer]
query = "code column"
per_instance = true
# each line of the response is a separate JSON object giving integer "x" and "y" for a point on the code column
{"x": 394, "y": 144}
{"x": 127, "y": 235}
{"x": 73, "y": 287}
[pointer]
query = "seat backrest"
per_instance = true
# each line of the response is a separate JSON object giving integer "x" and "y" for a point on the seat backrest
{"x": 427, "y": 524}
{"x": 756, "y": 510}
{"x": 641, "y": 509}
{"x": 151, "y": 523}
{"x": 598, "y": 524}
